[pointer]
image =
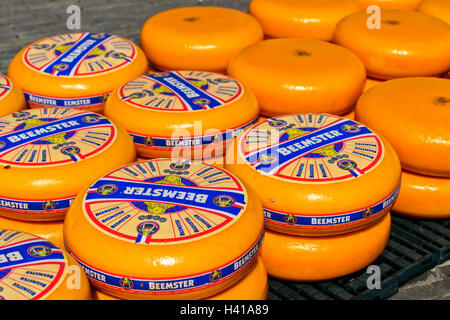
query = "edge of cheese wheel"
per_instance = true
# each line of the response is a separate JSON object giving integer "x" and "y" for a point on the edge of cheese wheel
{"x": 76, "y": 70}
{"x": 182, "y": 114}
{"x": 296, "y": 258}
{"x": 189, "y": 230}
{"x": 423, "y": 197}
{"x": 197, "y": 37}
{"x": 11, "y": 96}
{"x": 253, "y": 286}
{"x": 303, "y": 75}
{"x": 401, "y": 47}
{"x": 390, "y": 4}
{"x": 53, "y": 153}
{"x": 437, "y": 8}
{"x": 413, "y": 114}
{"x": 48, "y": 230}
{"x": 38, "y": 270}
{"x": 301, "y": 19}
{"x": 317, "y": 174}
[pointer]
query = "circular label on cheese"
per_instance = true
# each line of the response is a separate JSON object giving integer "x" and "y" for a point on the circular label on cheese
{"x": 31, "y": 268}
{"x": 181, "y": 91}
{"x": 79, "y": 54}
{"x": 5, "y": 86}
{"x": 311, "y": 148}
{"x": 52, "y": 136}
{"x": 164, "y": 202}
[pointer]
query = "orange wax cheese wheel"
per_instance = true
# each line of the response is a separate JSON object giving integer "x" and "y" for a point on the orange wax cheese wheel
{"x": 182, "y": 114}
{"x": 298, "y": 258}
{"x": 413, "y": 114}
{"x": 48, "y": 155}
{"x": 405, "y": 44}
{"x": 49, "y": 230}
{"x": 32, "y": 268}
{"x": 198, "y": 38}
{"x": 423, "y": 197}
{"x": 371, "y": 83}
{"x": 253, "y": 286}
{"x": 11, "y": 97}
{"x": 436, "y": 8}
{"x": 390, "y": 4}
{"x": 294, "y": 76}
{"x": 304, "y": 167}
{"x": 76, "y": 70}
{"x": 304, "y": 19}
{"x": 188, "y": 230}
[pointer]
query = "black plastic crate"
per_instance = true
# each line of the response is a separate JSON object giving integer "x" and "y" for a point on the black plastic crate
{"x": 414, "y": 247}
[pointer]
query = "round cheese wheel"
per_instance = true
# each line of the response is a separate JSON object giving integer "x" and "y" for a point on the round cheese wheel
{"x": 317, "y": 174}
{"x": 298, "y": 258}
{"x": 52, "y": 154}
{"x": 406, "y": 44}
{"x": 413, "y": 114}
{"x": 390, "y": 4}
{"x": 436, "y": 8}
{"x": 182, "y": 114}
{"x": 11, "y": 97}
{"x": 253, "y": 286}
{"x": 32, "y": 268}
{"x": 371, "y": 83}
{"x": 76, "y": 70}
{"x": 423, "y": 197}
{"x": 295, "y": 76}
{"x": 304, "y": 19}
{"x": 188, "y": 230}
{"x": 49, "y": 230}
{"x": 197, "y": 38}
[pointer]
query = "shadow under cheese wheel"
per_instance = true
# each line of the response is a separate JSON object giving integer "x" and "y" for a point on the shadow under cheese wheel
{"x": 304, "y": 19}
{"x": 197, "y": 38}
{"x": 11, "y": 97}
{"x": 423, "y": 197}
{"x": 317, "y": 174}
{"x": 406, "y": 44}
{"x": 253, "y": 286}
{"x": 296, "y": 75}
{"x": 390, "y": 4}
{"x": 76, "y": 70}
{"x": 52, "y": 154}
{"x": 298, "y": 258}
{"x": 437, "y": 8}
{"x": 35, "y": 269}
{"x": 414, "y": 115}
{"x": 49, "y": 230}
{"x": 165, "y": 230}
{"x": 182, "y": 114}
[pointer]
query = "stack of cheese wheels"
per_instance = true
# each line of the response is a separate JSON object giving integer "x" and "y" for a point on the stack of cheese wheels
{"x": 253, "y": 286}
{"x": 183, "y": 114}
{"x": 326, "y": 184}
{"x": 11, "y": 97}
{"x": 413, "y": 114}
{"x": 436, "y": 8}
{"x": 32, "y": 268}
{"x": 76, "y": 70}
{"x": 188, "y": 230}
{"x": 52, "y": 154}
{"x": 304, "y": 19}
{"x": 197, "y": 38}
{"x": 295, "y": 76}
{"x": 390, "y": 4}
{"x": 404, "y": 44}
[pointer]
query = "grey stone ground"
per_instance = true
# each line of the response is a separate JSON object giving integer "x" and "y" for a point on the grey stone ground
{"x": 25, "y": 21}
{"x": 432, "y": 285}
